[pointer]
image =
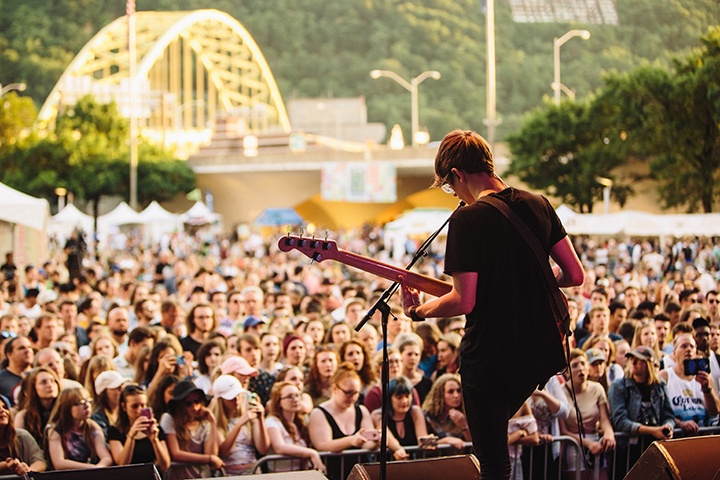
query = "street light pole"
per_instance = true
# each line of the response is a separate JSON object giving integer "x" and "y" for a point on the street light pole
{"x": 557, "y": 43}
{"x": 412, "y": 87}
{"x": 20, "y": 87}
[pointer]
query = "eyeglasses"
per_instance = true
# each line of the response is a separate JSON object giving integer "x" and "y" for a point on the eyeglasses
{"x": 84, "y": 402}
{"x": 446, "y": 184}
{"x": 710, "y": 300}
{"x": 6, "y": 334}
{"x": 193, "y": 401}
{"x": 351, "y": 393}
{"x": 292, "y": 396}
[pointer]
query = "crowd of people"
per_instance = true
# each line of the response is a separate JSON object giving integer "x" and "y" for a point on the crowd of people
{"x": 204, "y": 355}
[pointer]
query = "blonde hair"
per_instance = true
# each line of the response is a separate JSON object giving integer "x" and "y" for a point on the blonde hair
{"x": 434, "y": 403}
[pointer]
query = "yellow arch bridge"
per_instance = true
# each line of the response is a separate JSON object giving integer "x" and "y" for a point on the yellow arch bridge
{"x": 191, "y": 69}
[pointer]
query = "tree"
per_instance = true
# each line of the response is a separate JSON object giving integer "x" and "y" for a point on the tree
{"x": 672, "y": 118}
{"x": 562, "y": 150}
{"x": 89, "y": 156}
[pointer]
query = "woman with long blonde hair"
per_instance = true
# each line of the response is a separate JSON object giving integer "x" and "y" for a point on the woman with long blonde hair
{"x": 240, "y": 419}
{"x": 445, "y": 411}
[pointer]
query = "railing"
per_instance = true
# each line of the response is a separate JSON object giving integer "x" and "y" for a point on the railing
{"x": 538, "y": 463}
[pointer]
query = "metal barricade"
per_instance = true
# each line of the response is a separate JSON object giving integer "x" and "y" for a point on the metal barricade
{"x": 539, "y": 462}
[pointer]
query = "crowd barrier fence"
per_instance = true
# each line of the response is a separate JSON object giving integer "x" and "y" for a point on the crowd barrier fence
{"x": 538, "y": 463}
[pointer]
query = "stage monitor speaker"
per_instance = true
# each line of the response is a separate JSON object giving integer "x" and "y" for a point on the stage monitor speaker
{"x": 465, "y": 467}
{"x": 299, "y": 475}
{"x": 681, "y": 459}
{"x": 143, "y": 471}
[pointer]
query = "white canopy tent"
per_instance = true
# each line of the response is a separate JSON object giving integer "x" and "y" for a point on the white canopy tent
{"x": 631, "y": 222}
{"x": 68, "y": 219}
{"x": 121, "y": 215}
{"x": 199, "y": 214}
{"x": 23, "y": 220}
{"x": 159, "y": 221}
{"x": 419, "y": 221}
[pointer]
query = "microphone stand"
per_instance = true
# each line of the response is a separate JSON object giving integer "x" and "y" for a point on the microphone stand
{"x": 382, "y": 305}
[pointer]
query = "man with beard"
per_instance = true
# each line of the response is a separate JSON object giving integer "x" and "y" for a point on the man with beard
{"x": 200, "y": 322}
{"x": 118, "y": 324}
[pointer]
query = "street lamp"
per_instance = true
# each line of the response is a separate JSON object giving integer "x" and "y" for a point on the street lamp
{"x": 412, "y": 87}
{"x": 557, "y": 43}
{"x": 607, "y": 186}
{"x": 20, "y": 87}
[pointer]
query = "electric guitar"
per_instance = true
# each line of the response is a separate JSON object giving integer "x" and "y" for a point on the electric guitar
{"x": 319, "y": 250}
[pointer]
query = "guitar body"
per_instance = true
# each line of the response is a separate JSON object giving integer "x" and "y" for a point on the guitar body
{"x": 320, "y": 250}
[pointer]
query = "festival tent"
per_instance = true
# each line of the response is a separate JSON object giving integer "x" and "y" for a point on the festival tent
{"x": 641, "y": 224}
{"x": 121, "y": 215}
{"x": 68, "y": 219}
{"x": 199, "y": 214}
{"x": 23, "y": 220}
{"x": 159, "y": 221}
{"x": 414, "y": 226}
{"x": 276, "y": 217}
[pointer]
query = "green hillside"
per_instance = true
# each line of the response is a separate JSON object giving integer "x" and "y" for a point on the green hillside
{"x": 327, "y": 48}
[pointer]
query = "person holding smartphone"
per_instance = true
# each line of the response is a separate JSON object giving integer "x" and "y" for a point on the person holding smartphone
{"x": 137, "y": 437}
{"x": 692, "y": 394}
{"x": 241, "y": 428}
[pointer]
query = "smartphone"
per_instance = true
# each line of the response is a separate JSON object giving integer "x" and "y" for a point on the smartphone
{"x": 180, "y": 360}
{"x": 146, "y": 412}
{"x": 695, "y": 365}
{"x": 372, "y": 435}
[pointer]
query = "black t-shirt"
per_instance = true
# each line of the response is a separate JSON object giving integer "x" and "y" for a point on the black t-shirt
{"x": 511, "y": 342}
{"x": 8, "y": 382}
{"x": 191, "y": 345}
{"x": 143, "y": 451}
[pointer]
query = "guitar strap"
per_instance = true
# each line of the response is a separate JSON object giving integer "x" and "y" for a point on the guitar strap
{"x": 562, "y": 316}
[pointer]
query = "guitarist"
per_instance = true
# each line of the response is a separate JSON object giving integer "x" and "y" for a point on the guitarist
{"x": 512, "y": 342}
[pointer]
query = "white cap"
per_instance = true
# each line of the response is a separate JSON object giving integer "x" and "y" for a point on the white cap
{"x": 108, "y": 379}
{"x": 227, "y": 387}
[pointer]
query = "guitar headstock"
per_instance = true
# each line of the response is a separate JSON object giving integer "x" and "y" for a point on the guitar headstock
{"x": 315, "y": 249}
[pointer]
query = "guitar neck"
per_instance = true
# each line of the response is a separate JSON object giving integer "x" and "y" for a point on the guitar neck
{"x": 425, "y": 284}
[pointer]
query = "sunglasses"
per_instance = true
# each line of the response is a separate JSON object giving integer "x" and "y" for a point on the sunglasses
{"x": 83, "y": 402}
{"x": 193, "y": 401}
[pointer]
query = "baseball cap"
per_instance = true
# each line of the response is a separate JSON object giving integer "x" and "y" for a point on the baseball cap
{"x": 595, "y": 354}
{"x": 227, "y": 387}
{"x": 236, "y": 364}
{"x": 252, "y": 321}
{"x": 643, "y": 353}
{"x": 108, "y": 379}
{"x": 46, "y": 296}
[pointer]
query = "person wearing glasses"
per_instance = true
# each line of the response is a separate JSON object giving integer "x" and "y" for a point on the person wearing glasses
{"x": 191, "y": 433}
{"x": 240, "y": 419}
{"x": 137, "y": 437}
{"x": 339, "y": 423}
{"x": 73, "y": 440}
{"x": 287, "y": 429}
{"x": 510, "y": 346}
{"x": 711, "y": 303}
